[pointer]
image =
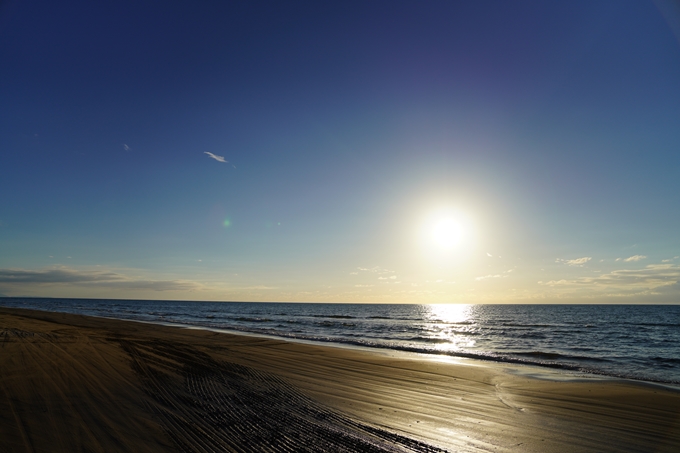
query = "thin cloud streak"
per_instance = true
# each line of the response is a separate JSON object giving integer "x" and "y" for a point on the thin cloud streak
{"x": 218, "y": 158}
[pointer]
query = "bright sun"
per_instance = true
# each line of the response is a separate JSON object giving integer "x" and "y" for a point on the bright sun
{"x": 447, "y": 229}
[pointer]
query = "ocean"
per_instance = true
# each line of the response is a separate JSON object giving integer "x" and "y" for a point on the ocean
{"x": 640, "y": 342}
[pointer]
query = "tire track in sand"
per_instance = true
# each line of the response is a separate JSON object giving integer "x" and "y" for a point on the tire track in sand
{"x": 209, "y": 406}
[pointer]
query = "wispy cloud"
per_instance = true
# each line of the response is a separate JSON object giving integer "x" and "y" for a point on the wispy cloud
{"x": 490, "y": 276}
{"x": 126, "y": 147}
{"x": 109, "y": 279}
{"x": 375, "y": 269}
{"x": 216, "y": 157}
{"x": 219, "y": 158}
{"x": 634, "y": 258}
{"x": 554, "y": 282}
{"x": 575, "y": 262}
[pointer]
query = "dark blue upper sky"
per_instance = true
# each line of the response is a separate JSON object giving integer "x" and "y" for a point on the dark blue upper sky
{"x": 553, "y": 127}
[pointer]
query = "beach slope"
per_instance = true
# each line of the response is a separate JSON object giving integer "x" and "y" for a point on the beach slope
{"x": 71, "y": 383}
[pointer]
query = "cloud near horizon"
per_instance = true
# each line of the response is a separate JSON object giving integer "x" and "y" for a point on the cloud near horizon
{"x": 98, "y": 278}
{"x": 652, "y": 280}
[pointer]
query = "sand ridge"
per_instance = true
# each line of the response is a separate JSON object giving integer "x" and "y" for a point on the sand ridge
{"x": 76, "y": 383}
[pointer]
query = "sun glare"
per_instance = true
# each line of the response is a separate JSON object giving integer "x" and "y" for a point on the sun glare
{"x": 447, "y": 232}
{"x": 447, "y": 229}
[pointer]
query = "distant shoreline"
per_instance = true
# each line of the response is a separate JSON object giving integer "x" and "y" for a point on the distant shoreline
{"x": 324, "y": 303}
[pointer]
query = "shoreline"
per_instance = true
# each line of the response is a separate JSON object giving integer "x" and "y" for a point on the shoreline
{"x": 540, "y": 371}
{"x": 578, "y": 350}
{"x": 535, "y": 371}
{"x": 72, "y": 380}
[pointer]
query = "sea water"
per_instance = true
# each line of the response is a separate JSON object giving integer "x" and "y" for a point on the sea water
{"x": 639, "y": 342}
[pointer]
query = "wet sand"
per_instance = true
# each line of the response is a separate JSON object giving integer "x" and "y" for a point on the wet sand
{"x": 71, "y": 383}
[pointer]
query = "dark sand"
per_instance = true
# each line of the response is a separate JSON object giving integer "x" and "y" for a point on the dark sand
{"x": 71, "y": 383}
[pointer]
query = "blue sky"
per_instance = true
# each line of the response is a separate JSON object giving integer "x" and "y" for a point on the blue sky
{"x": 551, "y": 128}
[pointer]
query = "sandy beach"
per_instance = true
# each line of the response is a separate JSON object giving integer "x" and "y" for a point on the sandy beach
{"x": 71, "y": 383}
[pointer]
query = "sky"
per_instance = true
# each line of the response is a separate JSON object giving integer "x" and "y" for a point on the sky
{"x": 373, "y": 151}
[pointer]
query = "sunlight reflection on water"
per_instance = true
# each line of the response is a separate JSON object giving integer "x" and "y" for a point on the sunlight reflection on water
{"x": 449, "y": 326}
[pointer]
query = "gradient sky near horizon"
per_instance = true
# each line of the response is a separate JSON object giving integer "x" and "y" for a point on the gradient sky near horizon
{"x": 305, "y": 151}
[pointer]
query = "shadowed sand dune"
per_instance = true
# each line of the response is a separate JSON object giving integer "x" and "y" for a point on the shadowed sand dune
{"x": 73, "y": 383}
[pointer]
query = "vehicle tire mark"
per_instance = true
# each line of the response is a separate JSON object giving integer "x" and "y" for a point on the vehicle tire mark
{"x": 209, "y": 406}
